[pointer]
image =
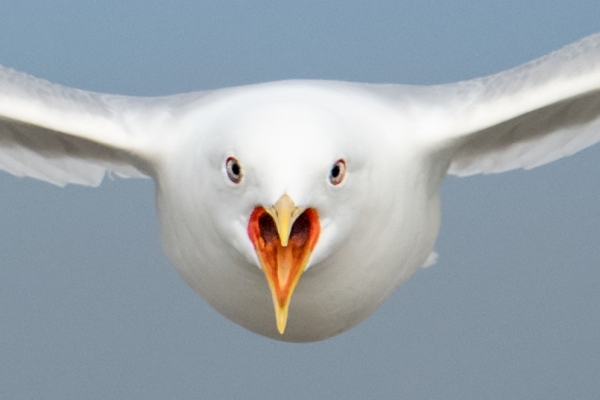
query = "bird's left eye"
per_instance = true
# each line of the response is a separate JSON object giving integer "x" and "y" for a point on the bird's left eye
{"x": 337, "y": 173}
{"x": 234, "y": 170}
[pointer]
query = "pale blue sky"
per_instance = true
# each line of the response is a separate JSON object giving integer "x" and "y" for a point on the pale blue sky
{"x": 90, "y": 307}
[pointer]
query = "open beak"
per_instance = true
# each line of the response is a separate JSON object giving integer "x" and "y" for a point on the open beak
{"x": 283, "y": 236}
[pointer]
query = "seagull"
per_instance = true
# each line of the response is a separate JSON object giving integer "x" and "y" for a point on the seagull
{"x": 295, "y": 207}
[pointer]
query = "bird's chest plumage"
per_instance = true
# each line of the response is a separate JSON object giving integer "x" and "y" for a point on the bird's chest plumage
{"x": 331, "y": 297}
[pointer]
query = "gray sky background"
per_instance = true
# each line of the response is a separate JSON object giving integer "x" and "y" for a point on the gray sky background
{"x": 90, "y": 307}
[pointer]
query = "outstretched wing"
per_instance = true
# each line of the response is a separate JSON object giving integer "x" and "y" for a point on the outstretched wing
{"x": 521, "y": 118}
{"x": 63, "y": 135}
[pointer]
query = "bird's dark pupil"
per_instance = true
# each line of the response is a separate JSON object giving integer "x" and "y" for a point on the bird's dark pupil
{"x": 335, "y": 171}
{"x": 235, "y": 168}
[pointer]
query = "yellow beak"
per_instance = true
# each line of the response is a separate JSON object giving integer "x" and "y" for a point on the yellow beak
{"x": 283, "y": 236}
{"x": 284, "y": 213}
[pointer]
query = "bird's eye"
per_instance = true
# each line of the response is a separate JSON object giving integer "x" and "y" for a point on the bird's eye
{"x": 234, "y": 170}
{"x": 337, "y": 173}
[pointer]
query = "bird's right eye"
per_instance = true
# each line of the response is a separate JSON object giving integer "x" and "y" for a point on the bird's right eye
{"x": 234, "y": 170}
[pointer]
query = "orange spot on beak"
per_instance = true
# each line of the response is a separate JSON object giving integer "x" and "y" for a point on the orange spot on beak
{"x": 283, "y": 264}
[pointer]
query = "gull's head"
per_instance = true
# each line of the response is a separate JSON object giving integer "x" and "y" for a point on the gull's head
{"x": 285, "y": 174}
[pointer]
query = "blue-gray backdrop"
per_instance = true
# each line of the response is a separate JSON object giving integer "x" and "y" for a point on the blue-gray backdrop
{"x": 90, "y": 307}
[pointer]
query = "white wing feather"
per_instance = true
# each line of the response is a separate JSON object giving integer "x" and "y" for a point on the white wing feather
{"x": 63, "y": 135}
{"x": 528, "y": 116}
{"x": 534, "y": 114}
